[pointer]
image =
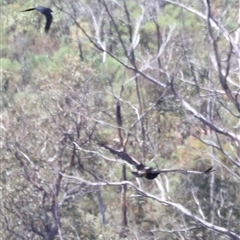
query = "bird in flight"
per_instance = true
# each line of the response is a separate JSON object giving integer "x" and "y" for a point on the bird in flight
{"x": 46, "y": 12}
{"x": 144, "y": 171}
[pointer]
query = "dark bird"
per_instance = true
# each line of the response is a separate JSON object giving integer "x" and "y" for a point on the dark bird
{"x": 46, "y": 12}
{"x": 144, "y": 171}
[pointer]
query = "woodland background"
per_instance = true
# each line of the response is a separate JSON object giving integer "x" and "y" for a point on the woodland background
{"x": 174, "y": 68}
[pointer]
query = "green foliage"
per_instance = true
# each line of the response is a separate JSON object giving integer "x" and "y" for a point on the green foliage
{"x": 60, "y": 56}
{"x": 56, "y": 105}
{"x": 7, "y": 64}
{"x": 180, "y": 18}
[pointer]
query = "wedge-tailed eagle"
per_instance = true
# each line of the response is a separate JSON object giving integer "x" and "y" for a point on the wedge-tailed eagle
{"x": 46, "y": 12}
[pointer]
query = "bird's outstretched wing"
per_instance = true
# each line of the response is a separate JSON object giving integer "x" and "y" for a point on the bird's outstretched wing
{"x": 123, "y": 155}
{"x": 30, "y": 9}
{"x": 209, "y": 170}
{"x": 49, "y": 18}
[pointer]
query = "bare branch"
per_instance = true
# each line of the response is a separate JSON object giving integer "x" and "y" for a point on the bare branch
{"x": 179, "y": 207}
